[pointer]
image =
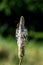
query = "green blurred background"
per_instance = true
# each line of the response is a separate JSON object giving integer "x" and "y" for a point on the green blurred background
{"x": 10, "y": 13}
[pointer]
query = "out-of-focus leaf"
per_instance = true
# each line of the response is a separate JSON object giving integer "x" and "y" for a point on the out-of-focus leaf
{"x": 17, "y": 5}
{"x": 7, "y": 10}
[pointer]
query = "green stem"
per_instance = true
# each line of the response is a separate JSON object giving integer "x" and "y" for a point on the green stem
{"x": 20, "y": 61}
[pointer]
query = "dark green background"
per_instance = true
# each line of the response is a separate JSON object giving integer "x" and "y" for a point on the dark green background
{"x": 12, "y": 10}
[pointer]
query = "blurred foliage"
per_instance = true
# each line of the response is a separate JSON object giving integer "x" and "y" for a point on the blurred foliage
{"x": 14, "y": 9}
{"x": 8, "y": 5}
{"x": 33, "y": 52}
